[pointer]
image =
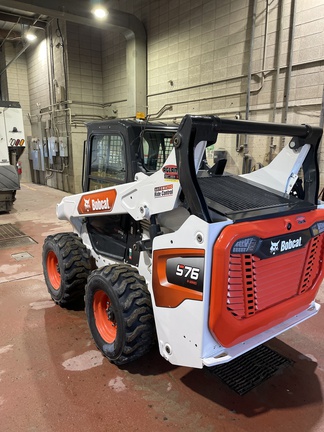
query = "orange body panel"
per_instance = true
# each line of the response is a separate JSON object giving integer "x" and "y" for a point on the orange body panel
{"x": 250, "y": 295}
{"x": 168, "y": 294}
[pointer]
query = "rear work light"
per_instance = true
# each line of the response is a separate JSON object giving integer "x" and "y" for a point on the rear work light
{"x": 245, "y": 245}
{"x": 317, "y": 228}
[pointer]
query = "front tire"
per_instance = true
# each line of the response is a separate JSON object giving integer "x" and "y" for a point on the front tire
{"x": 66, "y": 266}
{"x": 119, "y": 312}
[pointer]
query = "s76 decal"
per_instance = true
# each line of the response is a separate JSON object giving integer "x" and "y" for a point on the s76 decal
{"x": 186, "y": 271}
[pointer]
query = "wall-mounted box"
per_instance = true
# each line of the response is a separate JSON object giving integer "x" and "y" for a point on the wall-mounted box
{"x": 63, "y": 147}
{"x": 36, "y": 160}
{"x": 52, "y": 149}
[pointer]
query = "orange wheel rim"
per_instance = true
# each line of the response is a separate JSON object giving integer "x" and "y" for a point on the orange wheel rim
{"x": 53, "y": 270}
{"x": 104, "y": 316}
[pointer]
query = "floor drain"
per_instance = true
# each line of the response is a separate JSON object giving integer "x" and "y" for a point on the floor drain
{"x": 22, "y": 256}
{"x": 251, "y": 369}
{"x": 10, "y": 236}
{"x": 9, "y": 231}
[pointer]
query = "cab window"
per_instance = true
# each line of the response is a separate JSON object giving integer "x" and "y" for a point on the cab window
{"x": 107, "y": 163}
{"x": 156, "y": 147}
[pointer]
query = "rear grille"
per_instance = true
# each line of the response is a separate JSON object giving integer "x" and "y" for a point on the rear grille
{"x": 237, "y": 194}
{"x": 241, "y": 292}
{"x": 313, "y": 264}
{"x": 256, "y": 284}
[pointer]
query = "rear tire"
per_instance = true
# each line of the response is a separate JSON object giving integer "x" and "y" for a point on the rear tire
{"x": 66, "y": 266}
{"x": 119, "y": 312}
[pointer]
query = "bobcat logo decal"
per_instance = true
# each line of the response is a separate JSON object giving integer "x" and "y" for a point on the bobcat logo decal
{"x": 97, "y": 202}
{"x": 87, "y": 205}
{"x": 274, "y": 247}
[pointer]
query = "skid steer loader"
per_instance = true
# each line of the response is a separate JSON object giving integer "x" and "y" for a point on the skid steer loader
{"x": 166, "y": 248}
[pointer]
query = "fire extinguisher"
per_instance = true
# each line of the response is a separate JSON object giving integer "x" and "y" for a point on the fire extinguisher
{"x": 19, "y": 168}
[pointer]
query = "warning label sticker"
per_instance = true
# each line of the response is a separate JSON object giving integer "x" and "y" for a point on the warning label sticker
{"x": 170, "y": 173}
{"x": 163, "y": 191}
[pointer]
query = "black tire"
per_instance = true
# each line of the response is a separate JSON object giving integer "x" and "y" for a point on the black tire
{"x": 119, "y": 312}
{"x": 66, "y": 266}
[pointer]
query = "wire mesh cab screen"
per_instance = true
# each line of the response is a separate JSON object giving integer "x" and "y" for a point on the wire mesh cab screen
{"x": 156, "y": 147}
{"x": 107, "y": 166}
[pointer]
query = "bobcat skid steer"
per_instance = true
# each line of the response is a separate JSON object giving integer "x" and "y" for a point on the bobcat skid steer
{"x": 164, "y": 247}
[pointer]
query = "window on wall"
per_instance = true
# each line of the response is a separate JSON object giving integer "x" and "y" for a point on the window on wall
{"x": 107, "y": 164}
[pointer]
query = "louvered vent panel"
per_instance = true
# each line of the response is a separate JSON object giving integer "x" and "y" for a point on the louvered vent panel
{"x": 313, "y": 264}
{"x": 255, "y": 284}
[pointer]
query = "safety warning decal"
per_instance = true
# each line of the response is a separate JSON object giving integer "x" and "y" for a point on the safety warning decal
{"x": 97, "y": 202}
{"x": 163, "y": 191}
{"x": 170, "y": 172}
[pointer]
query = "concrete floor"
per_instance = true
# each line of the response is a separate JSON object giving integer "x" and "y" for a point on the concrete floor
{"x": 52, "y": 378}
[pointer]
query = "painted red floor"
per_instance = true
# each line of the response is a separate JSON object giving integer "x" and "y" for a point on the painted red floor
{"x": 52, "y": 378}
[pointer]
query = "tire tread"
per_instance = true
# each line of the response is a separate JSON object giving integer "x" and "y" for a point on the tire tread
{"x": 135, "y": 302}
{"x": 75, "y": 259}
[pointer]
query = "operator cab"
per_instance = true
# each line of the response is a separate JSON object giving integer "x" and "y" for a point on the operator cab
{"x": 114, "y": 152}
{"x": 117, "y": 149}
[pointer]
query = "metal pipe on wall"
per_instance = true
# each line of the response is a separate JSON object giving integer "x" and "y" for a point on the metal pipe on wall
{"x": 48, "y": 63}
{"x": 249, "y": 74}
{"x": 290, "y": 64}
{"x": 264, "y": 51}
{"x": 321, "y": 123}
{"x": 229, "y": 79}
{"x": 245, "y": 167}
{"x": 276, "y": 86}
{"x": 233, "y": 111}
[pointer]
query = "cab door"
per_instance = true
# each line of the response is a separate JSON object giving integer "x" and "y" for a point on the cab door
{"x": 105, "y": 166}
{"x": 104, "y": 161}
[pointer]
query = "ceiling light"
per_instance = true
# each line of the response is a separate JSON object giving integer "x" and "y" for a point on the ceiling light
{"x": 30, "y": 36}
{"x": 100, "y": 12}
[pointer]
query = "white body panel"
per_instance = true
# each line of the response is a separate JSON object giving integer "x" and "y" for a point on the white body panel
{"x": 11, "y": 130}
{"x": 184, "y": 328}
{"x": 14, "y": 125}
{"x": 183, "y": 334}
{"x": 138, "y": 198}
{"x": 282, "y": 173}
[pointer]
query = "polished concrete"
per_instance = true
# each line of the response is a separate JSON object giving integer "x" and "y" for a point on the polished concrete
{"x": 52, "y": 378}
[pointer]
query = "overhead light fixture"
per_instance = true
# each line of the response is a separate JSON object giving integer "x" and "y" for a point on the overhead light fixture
{"x": 100, "y": 11}
{"x": 30, "y": 36}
